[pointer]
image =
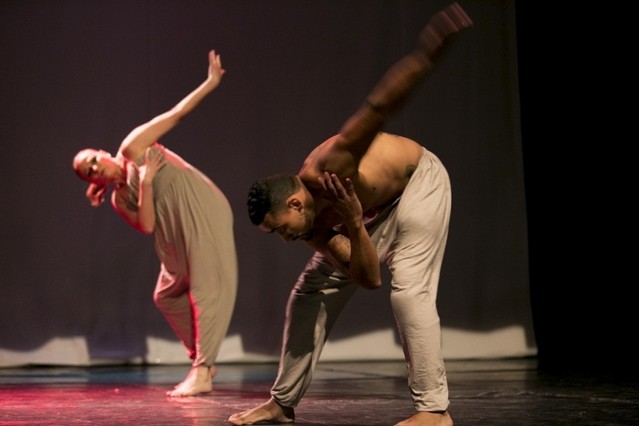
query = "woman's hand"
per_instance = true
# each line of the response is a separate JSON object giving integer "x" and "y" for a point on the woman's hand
{"x": 215, "y": 68}
{"x": 154, "y": 159}
{"x": 96, "y": 193}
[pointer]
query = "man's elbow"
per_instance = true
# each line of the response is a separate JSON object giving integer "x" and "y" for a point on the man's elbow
{"x": 374, "y": 286}
{"x": 369, "y": 278}
{"x": 370, "y": 283}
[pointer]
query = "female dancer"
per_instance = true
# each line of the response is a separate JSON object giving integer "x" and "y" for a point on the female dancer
{"x": 157, "y": 192}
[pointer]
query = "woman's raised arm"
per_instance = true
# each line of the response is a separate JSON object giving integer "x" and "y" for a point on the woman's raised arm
{"x": 135, "y": 144}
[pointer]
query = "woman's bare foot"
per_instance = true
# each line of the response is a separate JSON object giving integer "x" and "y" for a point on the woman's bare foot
{"x": 198, "y": 381}
{"x": 424, "y": 418}
{"x": 269, "y": 412}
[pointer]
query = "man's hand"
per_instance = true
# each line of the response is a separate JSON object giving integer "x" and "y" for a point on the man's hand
{"x": 343, "y": 198}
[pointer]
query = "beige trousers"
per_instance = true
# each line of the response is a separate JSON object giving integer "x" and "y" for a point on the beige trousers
{"x": 410, "y": 238}
{"x": 194, "y": 239}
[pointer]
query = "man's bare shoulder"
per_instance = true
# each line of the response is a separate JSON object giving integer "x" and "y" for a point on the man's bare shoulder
{"x": 315, "y": 161}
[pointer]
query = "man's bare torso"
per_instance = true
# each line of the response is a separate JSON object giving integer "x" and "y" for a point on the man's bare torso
{"x": 380, "y": 177}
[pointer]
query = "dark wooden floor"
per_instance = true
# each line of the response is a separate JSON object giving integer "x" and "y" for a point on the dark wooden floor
{"x": 495, "y": 392}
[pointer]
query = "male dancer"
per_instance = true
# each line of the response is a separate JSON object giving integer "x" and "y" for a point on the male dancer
{"x": 363, "y": 197}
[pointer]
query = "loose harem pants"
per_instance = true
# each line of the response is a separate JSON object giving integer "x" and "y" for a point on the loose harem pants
{"x": 410, "y": 237}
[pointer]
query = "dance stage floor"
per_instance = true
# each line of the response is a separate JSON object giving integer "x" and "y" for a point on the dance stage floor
{"x": 487, "y": 393}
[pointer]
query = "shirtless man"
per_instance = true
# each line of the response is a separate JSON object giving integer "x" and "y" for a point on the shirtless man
{"x": 364, "y": 197}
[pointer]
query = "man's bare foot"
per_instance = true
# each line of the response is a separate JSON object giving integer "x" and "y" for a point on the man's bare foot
{"x": 198, "y": 381}
{"x": 268, "y": 413}
{"x": 424, "y": 418}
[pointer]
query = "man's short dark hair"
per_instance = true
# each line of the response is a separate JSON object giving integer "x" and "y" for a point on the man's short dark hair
{"x": 269, "y": 195}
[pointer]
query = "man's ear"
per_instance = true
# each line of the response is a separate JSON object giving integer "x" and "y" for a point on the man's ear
{"x": 294, "y": 203}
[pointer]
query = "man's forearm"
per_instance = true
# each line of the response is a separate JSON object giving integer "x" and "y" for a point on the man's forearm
{"x": 364, "y": 268}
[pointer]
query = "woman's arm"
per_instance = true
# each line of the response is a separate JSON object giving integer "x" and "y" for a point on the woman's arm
{"x": 119, "y": 203}
{"x": 138, "y": 143}
{"x": 153, "y": 161}
{"x": 142, "y": 137}
{"x": 141, "y": 218}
